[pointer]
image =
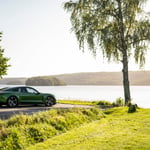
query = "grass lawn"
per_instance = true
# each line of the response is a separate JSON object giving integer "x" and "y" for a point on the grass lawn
{"x": 79, "y": 102}
{"x": 119, "y": 130}
{"x": 76, "y": 102}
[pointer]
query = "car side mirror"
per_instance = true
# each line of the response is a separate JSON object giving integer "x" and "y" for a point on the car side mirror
{"x": 37, "y": 93}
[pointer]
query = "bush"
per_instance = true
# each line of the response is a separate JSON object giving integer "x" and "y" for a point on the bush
{"x": 13, "y": 140}
{"x": 39, "y": 132}
{"x": 119, "y": 102}
{"x": 104, "y": 103}
{"x": 21, "y": 131}
{"x": 18, "y": 120}
{"x": 59, "y": 123}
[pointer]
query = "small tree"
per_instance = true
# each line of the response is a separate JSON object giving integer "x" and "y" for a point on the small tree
{"x": 120, "y": 28}
{"x": 3, "y": 61}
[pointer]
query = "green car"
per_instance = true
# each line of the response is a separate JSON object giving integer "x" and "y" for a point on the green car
{"x": 13, "y": 96}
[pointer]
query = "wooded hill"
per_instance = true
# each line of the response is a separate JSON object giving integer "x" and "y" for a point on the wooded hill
{"x": 33, "y": 81}
{"x": 13, "y": 81}
{"x": 105, "y": 78}
{"x": 44, "y": 81}
{"x": 88, "y": 78}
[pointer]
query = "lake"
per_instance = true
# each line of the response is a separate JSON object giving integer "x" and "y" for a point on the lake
{"x": 139, "y": 94}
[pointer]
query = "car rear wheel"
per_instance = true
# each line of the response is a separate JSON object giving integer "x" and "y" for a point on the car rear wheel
{"x": 12, "y": 101}
{"x": 49, "y": 101}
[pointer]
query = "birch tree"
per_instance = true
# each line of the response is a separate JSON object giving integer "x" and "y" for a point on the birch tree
{"x": 119, "y": 28}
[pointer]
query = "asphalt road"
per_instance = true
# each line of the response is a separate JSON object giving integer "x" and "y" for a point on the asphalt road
{"x": 6, "y": 112}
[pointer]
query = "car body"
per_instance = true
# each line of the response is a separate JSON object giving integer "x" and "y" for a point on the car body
{"x": 13, "y": 96}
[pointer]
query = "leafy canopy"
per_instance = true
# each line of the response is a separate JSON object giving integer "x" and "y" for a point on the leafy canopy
{"x": 3, "y": 61}
{"x": 114, "y": 26}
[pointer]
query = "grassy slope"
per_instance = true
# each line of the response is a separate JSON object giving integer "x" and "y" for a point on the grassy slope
{"x": 118, "y": 131}
{"x": 22, "y": 131}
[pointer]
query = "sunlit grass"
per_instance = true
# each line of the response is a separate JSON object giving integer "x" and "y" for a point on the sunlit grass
{"x": 119, "y": 130}
{"x": 22, "y": 131}
{"x": 79, "y": 102}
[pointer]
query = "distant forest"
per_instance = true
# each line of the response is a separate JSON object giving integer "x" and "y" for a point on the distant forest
{"x": 88, "y": 78}
{"x": 105, "y": 78}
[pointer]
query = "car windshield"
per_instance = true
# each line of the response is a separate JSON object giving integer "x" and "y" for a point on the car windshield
{"x": 4, "y": 89}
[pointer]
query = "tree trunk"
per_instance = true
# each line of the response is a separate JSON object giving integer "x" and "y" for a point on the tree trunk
{"x": 125, "y": 56}
{"x": 126, "y": 85}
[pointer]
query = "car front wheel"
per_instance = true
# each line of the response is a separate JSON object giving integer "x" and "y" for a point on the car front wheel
{"x": 49, "y": 101}
{"x": 12, "y": 101}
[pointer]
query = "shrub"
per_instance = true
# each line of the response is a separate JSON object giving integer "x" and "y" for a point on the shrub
{"x": 104, "y": 103}
{"x": 59, "y": 123}
{"x": 2, "y": 123}
{"x": 21, "y": 131}
{"x": 39, "y": 133}
{"x": 18, "y": 120}
{"x": 74, "y": 120}
{"x": 97, "y": 113}
{"x": 119, "y": 102}
{"x": 12, "y": 140}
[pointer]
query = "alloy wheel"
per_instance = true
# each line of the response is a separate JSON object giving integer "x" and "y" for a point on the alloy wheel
{"x": 12, "y": 101}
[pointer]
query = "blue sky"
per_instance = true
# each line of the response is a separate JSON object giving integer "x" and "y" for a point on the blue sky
{"x": 38, "y": 41}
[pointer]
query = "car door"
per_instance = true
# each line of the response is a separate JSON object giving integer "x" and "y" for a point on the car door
{"x": 30, "y": 95}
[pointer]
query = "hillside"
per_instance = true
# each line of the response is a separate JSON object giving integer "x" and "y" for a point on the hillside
{"x": 13, "y": 81}
{"x": 44, "y": 81}
{"x": 89, "y": 78}
{"x": 105, "y": 78}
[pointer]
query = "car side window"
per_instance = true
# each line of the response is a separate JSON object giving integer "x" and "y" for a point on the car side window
{"x": 19, "y": 90}
{"x": 23, "y": 90}
{"x": 30, "y": 90}
{"x": 15, "y": 89}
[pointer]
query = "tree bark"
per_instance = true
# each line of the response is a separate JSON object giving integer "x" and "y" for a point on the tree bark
{"x": 126, "y": 84}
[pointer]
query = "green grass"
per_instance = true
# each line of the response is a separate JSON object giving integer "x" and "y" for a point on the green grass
{"x": 22, "y": 131}
{"x": 119, "y": 130}
{"x": 79, "y": 102}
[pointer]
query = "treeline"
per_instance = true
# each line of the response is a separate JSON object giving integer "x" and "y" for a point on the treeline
{"x": 33, "y": 81}
{"x": 44, "y": 81}
{"x": 105, "y": 78}
{"x": 88, "y": 78}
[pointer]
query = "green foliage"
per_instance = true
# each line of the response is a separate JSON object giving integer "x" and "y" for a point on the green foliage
{"x": 116, "y": 111}
{"x": 18, "y": 120}
{"x": 104, "y": 103}
{"x": 117, "y": 131}
{"x": 119, "y": 102}
{"x": 21, "y": 131}
{"x": 12, "y": 140}
{"x": 90, "y": 103}
{"x": 39, "y": 132}
{"x": 113, "y": 26}
{"x": 2, "y": 124}
{"x": 77, "y": 102}
{"x": 99, "y": 23}
{"x": 43, "y": 80}
{"x": 3, "y": 61}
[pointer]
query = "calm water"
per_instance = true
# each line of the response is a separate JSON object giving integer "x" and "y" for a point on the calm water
{"x": 139, "y": 94}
